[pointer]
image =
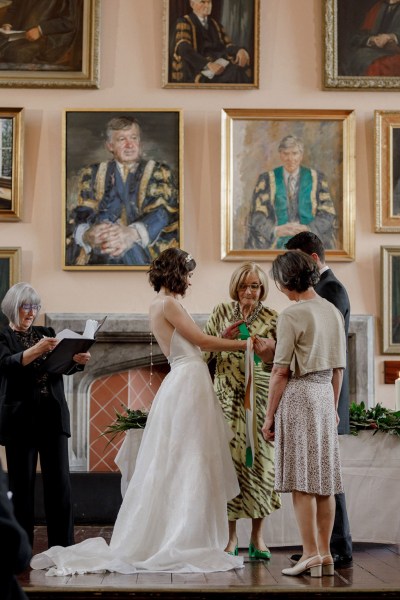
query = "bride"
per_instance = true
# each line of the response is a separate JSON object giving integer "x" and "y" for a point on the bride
{"x": 173, "y": 516}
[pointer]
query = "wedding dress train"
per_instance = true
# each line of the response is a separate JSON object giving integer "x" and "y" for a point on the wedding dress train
{"x": 173, "y": 517}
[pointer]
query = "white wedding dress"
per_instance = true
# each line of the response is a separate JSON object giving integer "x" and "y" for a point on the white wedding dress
{"x": 173, "y": 517}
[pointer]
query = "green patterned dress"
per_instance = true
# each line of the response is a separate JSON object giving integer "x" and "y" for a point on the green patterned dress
{"x": 257, "y": 497}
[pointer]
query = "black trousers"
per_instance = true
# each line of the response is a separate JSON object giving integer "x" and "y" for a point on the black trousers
{"x": 52, "y": 449}
{"x": 341, "y": 542}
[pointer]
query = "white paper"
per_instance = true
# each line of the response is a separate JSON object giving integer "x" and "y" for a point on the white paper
{"x": 67, "y": 333}
{"x": 13, "y": 34}
{"x": 90, "y": 330}
{"x": 209, "y": 74}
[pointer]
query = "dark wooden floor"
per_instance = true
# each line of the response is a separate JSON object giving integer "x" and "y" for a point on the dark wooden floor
{"x": 375, "y": 574}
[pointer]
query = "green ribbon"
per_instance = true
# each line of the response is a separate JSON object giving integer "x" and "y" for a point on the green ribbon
{"x": 244, "y": 335}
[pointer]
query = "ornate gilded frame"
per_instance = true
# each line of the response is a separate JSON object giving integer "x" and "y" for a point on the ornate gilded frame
{"x": 387, "y": 171}
{"x": 249, "y": 10}
{"x": 162, "y": 140}
{"x": 341, "y": 19}
{"x": 390, "y": 299}
{"x": 250, "y": 139}
{"x": 10, "y": 273}
{"x": 49, "y": 76}
{"x": 11, "y": 163}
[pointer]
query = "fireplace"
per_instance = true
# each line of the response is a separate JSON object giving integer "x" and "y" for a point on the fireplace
{"x": 124, "y": 344}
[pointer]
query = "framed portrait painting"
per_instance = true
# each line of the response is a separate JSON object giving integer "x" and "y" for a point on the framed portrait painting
{"x": 49, "y": 43}
{"x": 362, "y": 44}
{"x": 10, "y": 273}
{"x": 211, "y": 44}
{"x": 123, "y": 187}
{"x": 11, "y": 162}
{"x": 286, "y": 171}
{"x": 387, "y": 171}
{"x": 390, "y": 301}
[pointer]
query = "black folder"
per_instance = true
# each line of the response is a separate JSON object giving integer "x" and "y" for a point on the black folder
{"x": 60, "y": 359}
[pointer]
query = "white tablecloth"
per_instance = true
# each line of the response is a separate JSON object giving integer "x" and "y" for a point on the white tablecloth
{"x": 371, "y": 474}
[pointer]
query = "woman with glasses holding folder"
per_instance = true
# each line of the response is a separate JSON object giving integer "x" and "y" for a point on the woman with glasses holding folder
{"x": 34, "y": 416}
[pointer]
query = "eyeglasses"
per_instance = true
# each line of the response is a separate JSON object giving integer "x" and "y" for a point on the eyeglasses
{"x": 29, "y": 307}
{"x": 253, "y": 286}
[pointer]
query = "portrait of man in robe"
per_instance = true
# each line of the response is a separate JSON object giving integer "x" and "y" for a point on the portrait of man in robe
{"x": 211, "y": 43}
{"x": 52, "y": 43}
{"x": 284, "y": 172}
{"x": 362, "y": 44}
{"x": 123, "y": 187}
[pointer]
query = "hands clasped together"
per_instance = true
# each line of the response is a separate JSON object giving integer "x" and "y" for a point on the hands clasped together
{"x": 112, "y": 238}
{"x": 265, "y": 349}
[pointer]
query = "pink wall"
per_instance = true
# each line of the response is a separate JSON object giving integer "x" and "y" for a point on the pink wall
{"x": 131, "y": 59}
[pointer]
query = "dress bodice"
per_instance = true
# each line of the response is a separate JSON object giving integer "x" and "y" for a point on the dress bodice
{"x": 182, "y": 350}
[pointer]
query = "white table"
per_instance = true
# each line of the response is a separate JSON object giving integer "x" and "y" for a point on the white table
{"x": 371, "y": 476}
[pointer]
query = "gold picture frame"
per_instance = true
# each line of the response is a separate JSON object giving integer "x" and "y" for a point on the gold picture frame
{"x": 68, "y": 58}
{"x": 390, "y": 299}
{"x": 148, "y": 199}
{"x": 10, "y": 273}
{"x": 11, "y": 162}
{"x": 235, "y": 23}
{"x": 355, "y": 57}
{"x": 387, "y": 171}
{"x": 252, "y": 182}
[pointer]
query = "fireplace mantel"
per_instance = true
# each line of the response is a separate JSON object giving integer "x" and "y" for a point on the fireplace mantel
{"x": 123, "y": 343}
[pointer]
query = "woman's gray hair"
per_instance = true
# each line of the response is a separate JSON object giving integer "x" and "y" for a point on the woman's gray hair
{"x": 240, "y": 274}
{"x": 17, "y": 295}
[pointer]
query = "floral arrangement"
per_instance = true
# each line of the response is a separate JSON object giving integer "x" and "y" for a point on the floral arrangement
{"x": 131, "y": 419}
{"x": 377, "y": 418}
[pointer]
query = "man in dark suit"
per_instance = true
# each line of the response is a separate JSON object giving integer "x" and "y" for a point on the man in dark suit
{"x": 204, "y": 53}
{"x": 331, "y": 289}
{"x": 15, "y": 550}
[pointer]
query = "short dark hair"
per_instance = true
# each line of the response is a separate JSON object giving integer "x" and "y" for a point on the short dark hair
{"x": 295, "y": 270}
{"x": 308, "y": 242}
{"x": 170, "y": 270}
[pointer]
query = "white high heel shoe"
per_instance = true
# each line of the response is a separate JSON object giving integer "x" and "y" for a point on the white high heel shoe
{"x": 303, "y": 566}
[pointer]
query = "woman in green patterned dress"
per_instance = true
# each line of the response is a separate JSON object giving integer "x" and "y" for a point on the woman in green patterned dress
{"x": 257, "y": 498}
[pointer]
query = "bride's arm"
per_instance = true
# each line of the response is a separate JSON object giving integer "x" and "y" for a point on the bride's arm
{"x": 182, "y": 322}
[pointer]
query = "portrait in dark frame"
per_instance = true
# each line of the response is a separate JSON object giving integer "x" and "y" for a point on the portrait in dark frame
{"x": 362, "y": 49}
{"x": 49, "y": 43}
{"x": 10, "y": 273}
{"x": 362, "y": 44}
{"x": 396, "y": 172}
{"x": 211, "y": 43}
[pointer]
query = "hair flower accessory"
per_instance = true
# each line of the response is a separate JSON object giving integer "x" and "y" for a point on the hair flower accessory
{"x": 188, "y": 258}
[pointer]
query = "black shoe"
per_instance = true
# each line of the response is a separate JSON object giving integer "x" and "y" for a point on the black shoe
{"x": 342, "y": 560}
{"x": 295, "y": 557}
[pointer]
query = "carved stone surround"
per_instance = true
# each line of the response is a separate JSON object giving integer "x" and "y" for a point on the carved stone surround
{"x": 124, "y": 343}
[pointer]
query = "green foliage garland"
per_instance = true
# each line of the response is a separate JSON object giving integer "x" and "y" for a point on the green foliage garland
{"x": 377, "y": 418}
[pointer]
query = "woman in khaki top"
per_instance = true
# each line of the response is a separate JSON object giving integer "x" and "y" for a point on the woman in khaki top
{"x": 301, "y": 415}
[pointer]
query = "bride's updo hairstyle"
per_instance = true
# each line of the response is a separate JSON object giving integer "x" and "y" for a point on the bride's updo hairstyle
{"x": 170, "y": 270}
{"x": 295, "y": 270}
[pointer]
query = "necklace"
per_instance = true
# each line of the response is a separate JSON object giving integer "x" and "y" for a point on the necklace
{"x": 237, "y": 314}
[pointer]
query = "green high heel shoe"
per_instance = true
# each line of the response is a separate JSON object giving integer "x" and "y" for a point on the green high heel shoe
{"x": 235, "y": 552}
{"x": 255, "y": 554}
